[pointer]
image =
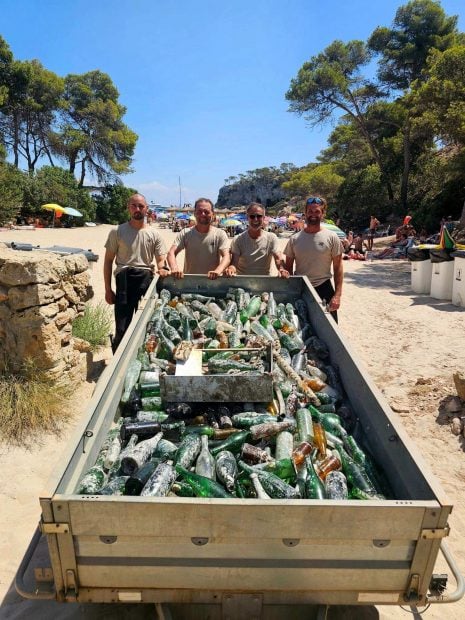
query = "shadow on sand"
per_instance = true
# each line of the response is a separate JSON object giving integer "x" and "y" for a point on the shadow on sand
{"x": 395, "y": 275}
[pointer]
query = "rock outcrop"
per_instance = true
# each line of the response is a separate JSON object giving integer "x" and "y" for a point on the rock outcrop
{"x": 40, "y": 295}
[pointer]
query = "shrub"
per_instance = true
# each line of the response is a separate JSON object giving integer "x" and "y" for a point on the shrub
{"x": 94, "y": 325}
{"x": 31, "y": 404}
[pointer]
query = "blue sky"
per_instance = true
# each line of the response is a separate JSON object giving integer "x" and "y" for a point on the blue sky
{"x": 203, "y": 81}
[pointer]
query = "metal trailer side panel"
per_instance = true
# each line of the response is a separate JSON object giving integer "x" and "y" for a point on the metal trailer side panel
{"x": 167, "y": 549}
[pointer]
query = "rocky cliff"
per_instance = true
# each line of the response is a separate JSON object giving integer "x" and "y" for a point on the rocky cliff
{"x": 267, "y": 192}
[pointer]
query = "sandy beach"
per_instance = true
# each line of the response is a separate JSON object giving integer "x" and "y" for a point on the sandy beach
{"x": 410, "y": 344}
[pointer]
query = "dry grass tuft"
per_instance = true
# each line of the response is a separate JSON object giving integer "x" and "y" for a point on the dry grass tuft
{"x": 31, "y": 404}
{"x": 94, "y": 325}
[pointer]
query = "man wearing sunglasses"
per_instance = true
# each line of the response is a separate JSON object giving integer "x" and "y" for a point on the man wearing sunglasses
{"x": 314, "y": 250}
{"x": 133, "y": 246}
{"x": 252, "y": 250}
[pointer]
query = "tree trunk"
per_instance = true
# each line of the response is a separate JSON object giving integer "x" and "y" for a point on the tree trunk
{"x": 462, "y": 217}
{"x": 407, "y": 162}
{"x": 83, "y": 172}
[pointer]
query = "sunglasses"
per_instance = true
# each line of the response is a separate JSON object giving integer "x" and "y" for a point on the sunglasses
{"x": 314, "y": 201}
{"x": 255, "y": 216}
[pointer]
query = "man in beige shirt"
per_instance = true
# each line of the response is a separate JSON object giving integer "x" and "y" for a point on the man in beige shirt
{"x": 252, "y": 250}
{"x": 133, "y": 246}
{"x": 314, "y": 250}
{"x": 206, "y": 246}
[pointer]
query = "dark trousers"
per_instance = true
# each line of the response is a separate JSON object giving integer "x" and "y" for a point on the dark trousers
{"x": 131, "y": 286}
{"x": 325, "y": 292}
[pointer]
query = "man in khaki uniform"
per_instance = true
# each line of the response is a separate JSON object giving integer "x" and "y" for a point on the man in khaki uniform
{"x": 314, "y": 250}
{"x": 252, "y": 250}
{"x": 133, "y": 246}
{"x": 206, "y": 246}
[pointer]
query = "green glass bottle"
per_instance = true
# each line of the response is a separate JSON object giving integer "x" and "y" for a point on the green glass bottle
{"x": 202, "y": 487}
{"x": 274, "y": 486}
{"x": 136, "y": 482}
{"x": 355, "y": 475}
{"x": 314, "y": 487}
{"x": 259, "y": 490}
{"x": 304, "y": 425}
{"x": 140, "y": 454}
{"x": 186, "y": 329}
{"x": 160, "y": 482}
{"x": 271, "y": 309}
{"x": 188, "y": 450}
{"x": 226, "y": 469}
{"x": 233, "y": 443}
{"x": 205, "y": 464}
{"x": 115, "y": 487}
{"x": 247, "y": 419}
{"x": 131, "y": 378}
{"x": 92, "y": 481}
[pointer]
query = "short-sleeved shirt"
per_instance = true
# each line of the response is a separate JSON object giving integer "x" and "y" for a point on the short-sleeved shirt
{"x": 313, "y": 254}
{"x": 134, "y": 247}
{"x": 203, "y": 250}
{"x": 253, "y": 256}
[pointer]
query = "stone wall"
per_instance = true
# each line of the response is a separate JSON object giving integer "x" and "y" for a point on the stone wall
{"x": 40, "y": 295}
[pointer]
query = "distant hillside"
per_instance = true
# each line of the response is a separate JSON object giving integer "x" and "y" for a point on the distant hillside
{"x": 261, "y": 185}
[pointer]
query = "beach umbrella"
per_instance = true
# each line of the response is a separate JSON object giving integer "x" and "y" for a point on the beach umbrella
{"x": 182, "y": 216}
{"x": 73, "y": 212}
{"x": 51, "y": 206}
{"x": 340, "y": 233}
{"x": 229, "y": 221}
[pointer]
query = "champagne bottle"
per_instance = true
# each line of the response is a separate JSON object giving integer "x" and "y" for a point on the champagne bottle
{"x": 336, "y": 485}
{"x": 136, "y": 482}
{"x": 259, "y": 490}
{"x": 149, "y": 383}
{"x": 131, "y": 378}
{"x": 112, "y": 453}
{"x": 160, "y": 482}
{"x": 233, "y": 443}
{"x": 115, "y": 486}
{"x": 269, "y": 429}
{"x": 314, "y": 488}
{"x": 140, "y": 454}
{"x": 248, "y": 419}
{"x": 202, "y": 487}
{"x": 188, "y": 450}
{"x": 284, "y": 445}
{"x": 93, "y": 480}
{"x": 274, "y": 486}
{"x": 253, "y": 454}
{"x": 145, "y": 430}
{"x": 355, "y": 475}
{"x": 304, "y": 425}
{"x": 226, "y": 469}
{"x": 165, "y": 449}
{"x": 209, "y": 431}
{"x": 205, "y": 465}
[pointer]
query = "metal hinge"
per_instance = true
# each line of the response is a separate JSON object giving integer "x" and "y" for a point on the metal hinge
{"x": 71, "y": 587}
{"x": 413, "y": 588}
{"x": 54, "y": 528}
{"x": 440, "y": 532}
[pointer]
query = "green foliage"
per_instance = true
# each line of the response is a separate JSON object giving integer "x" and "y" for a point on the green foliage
{"x": 11, "y": 192}
{"x": 94, "y": 325}
{"x": 92, "y": 136}
{"x": 419, "y": 27}
{"x": 112, "y": 204}
{"x": 32, "y": 404}
{"x": 316, "y": 179}
{"x": 361, "y": 194}
{"x": 56, "y": 185}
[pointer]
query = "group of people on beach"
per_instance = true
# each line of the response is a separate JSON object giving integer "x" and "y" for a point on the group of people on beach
{"x": 133, "y": 246}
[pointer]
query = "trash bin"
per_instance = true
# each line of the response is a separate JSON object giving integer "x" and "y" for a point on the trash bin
{"x": 442, "y": 274}
{"x": 458, "y": 283}
{"x": 421, "y": 270}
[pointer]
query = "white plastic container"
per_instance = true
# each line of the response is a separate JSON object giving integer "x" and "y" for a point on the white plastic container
{"x": 421, "y": 276}
{"x": 441, "y": 280}
{"x": 458, "y": 283}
